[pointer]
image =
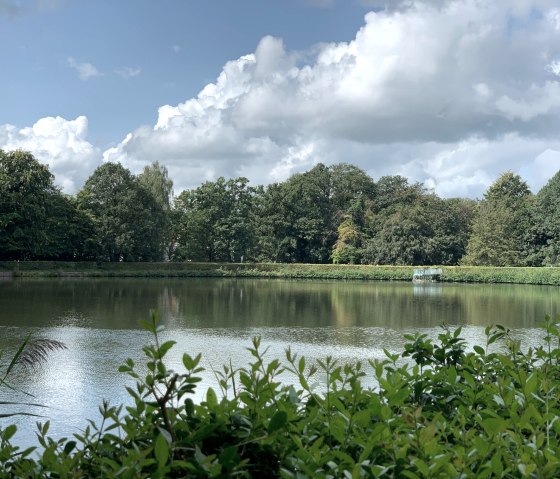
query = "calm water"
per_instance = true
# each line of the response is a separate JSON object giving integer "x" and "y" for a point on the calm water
{"x": 98, "y": 321}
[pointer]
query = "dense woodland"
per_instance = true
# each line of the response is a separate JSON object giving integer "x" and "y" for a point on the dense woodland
{"x": 329, "y": 214}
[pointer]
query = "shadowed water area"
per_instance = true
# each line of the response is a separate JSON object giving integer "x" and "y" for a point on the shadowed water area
{"x": 98, "y": 322}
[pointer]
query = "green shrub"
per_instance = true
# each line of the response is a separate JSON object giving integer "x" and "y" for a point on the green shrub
{"x": 438, "y": 410}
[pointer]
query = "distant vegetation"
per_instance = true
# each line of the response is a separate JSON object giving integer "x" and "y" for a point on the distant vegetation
{"x": 175, "y": 269}
{"x": 436, "y": 409}
{"x": 335, "y": 214}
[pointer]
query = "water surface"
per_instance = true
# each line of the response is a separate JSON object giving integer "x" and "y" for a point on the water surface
{"x": 98, "y": 321}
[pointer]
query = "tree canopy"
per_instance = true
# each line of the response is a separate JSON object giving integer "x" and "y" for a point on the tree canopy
{"x": 501, "y": 226}
{"x": 334, "y": 213}
{"x": 129, "y": 221}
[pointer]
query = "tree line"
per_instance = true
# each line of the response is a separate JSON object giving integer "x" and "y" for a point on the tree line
{"x": 335, "y": 214}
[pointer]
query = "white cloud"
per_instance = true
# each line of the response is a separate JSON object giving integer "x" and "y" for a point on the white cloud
{"x": 59, "y": 143}
{"x": 129, "y": 72}
{"x": 554, "y": 67}
{"x": 450, "y": 93}
{"x": 436, "y": 90}
{"x": 85, "y": 70}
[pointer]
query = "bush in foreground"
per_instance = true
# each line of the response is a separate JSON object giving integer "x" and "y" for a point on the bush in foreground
{"x": 438, "y": 411}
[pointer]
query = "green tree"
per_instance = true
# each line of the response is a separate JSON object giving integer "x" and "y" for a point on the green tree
{"x": 214, "y": 222}
{"x": 400, "y": 236}
{"x": 546, "y": 224}
{"x": 452, "y": 225}
{"x": 419, "y": 229}
{"x": 155, "y": 179}
{"x": 129, "y": 222}
{"x": 348, "y": 184}
{"x": 501, "y": 226}
{"x": 36, "y": 220}
{"x": 395, "y": 190}
{"x": 309, "y": 229}
{"x": 69, "y": 230}
{"x": 350, "y": 235}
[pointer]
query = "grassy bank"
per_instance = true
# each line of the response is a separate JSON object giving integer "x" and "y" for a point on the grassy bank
{"x": 470, "y": 274}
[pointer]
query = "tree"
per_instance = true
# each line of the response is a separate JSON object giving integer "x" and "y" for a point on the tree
{"x": 214, "y": 222}
{"x": 348, "y": 184}
{"x": 129, "y": 222}
{"x": 350, "y": 235}
{"x": 546, "y": 224}
{"x": 155, "y": 179}
{"x": 394, "y": 190}
{"x": 309, "y": 230}
{"x": 501, "y": 226}
{"x": 423, "y": 230}
{"x": 452, "y": 225}
{"x": 400, "y": 236}
{"x": 69, "y": 230}
{"x": 34, "y": 215}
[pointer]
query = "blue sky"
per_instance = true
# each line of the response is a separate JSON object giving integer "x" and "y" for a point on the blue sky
{"x": 451, "y": 93}
{"x": 147, "y": 53}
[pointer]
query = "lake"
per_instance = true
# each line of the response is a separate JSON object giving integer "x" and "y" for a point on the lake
{"x": 97, "y": 319}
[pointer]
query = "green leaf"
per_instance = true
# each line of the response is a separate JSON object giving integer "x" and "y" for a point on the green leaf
{"x": 9, "y": 432}
{"x": 165, "y": 347}
{"x": 229, "y": 457}
{"x": 16, "y": 357}
{"x": 479, "y": 350}
{"x": 161, "y": 450}
{"x": 147, "y": 326}
{"x": 69, "y": 447}
{"x": 278, "y": 421}
{"x": 494, "y": 425}
{"x": 211, "y": 399}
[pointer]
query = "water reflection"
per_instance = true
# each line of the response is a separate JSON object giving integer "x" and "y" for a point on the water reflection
{"x": 98, "y": 321}
{"x": 226, "y": 303}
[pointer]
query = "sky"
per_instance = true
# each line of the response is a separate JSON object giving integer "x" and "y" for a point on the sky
{"x": 448, "y": 93}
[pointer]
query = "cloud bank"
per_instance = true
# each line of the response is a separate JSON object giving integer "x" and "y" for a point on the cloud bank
{"x": 59, "y": 143}
{"x": 450, "y": 93}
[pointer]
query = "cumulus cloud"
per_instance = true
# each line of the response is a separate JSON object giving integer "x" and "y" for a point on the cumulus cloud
{"x": 85, "y": 70}
{"x": 447, "y": 92}
{"x": 129, "y": 72}
{"x": 59, "y": 143}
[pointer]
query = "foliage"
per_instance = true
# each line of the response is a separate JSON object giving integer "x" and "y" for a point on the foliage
{"x": 335, "y": 213}
{"x": 214, "y": 222}
{"x": 129, "y": 222}
{"x": 302, "y": 216}
{"x": 437, "y": 410}
{"x": 547, "y": 222}
{"x": 501, "y": 226}
{"x": 30, "y": 354}
{"x": 36, "y": 220}
{"x": 155, "y": 180}
{"x": 419, "y": 229}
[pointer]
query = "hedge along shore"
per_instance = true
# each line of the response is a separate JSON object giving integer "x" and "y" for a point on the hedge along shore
{"x": 467, "y": 274}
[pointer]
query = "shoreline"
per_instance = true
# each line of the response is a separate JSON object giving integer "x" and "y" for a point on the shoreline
{"x": 464, "y": 274}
